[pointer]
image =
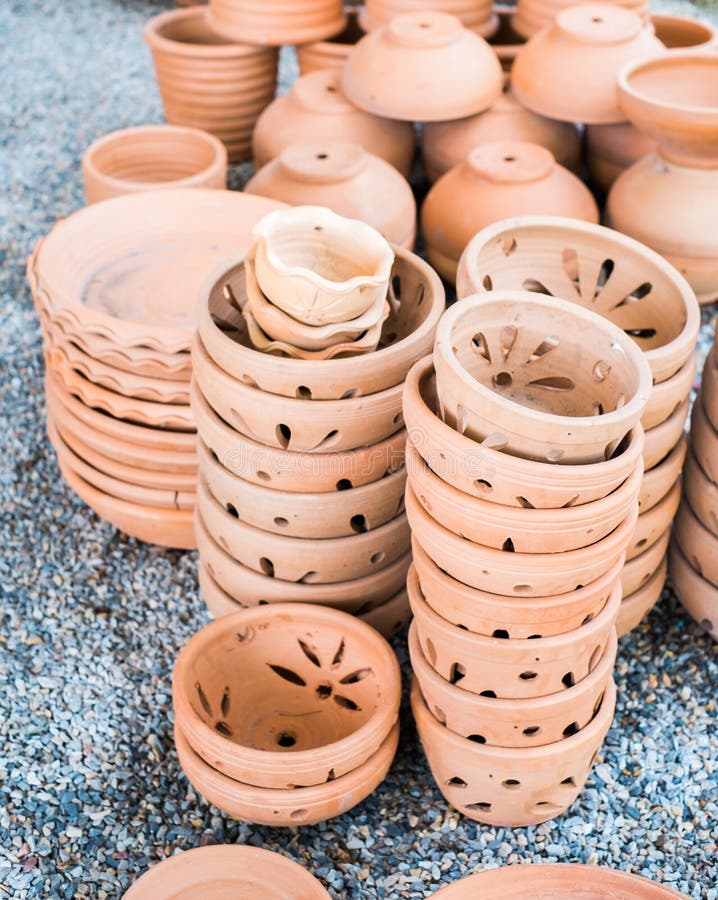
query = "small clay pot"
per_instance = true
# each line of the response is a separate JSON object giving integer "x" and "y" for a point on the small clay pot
{"x": 667, "y": 396}
{"x": 497, "y": 180}
{"x": 677, "y": 32}
{"x": 697, "y": 543}
{"x": 386, "y": 72}
{"x": 315, "y": 109}
{"x": 332, "y": 52}
{"x": 346, "y": 178}
{"x": 638, "y": 571}
{"x": 531, "y": 722}
{"x": 704, "y": 438}
{"x": 275, "y": 23}
{"x": 531, "y": 16}
{"x": 151, "y": 157}
{"x": 610, "y": 149}
{"x": 585, "y": 47}
{"x": 512, "y": 787}
{"x": 506, "y": 41}
{"x": 476, "y": 15}
{"x": 636, "y": 606}
{"x": 514, "y": 371}
{"x": 698, "y": 596}
{"x": 654, "y": 523}
{"x": 701, "y": 493}
{"x": 662, "y": 477}
{"x": 660, "y": 441}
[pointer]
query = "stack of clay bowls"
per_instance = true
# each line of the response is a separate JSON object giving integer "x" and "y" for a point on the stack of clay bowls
{"x": 302, "y": 451}
{"x": 524, "y": 465}
{"x": 653, "y": 304}
{"x": 476, "y": 15}
{"x": 286, "y": 714}
{"x": 276, "y": 22}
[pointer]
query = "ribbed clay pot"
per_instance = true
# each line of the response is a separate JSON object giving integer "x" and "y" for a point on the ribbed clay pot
{"x": 512, "y": 787}
{"x": 610, "y": 149}
{"x": 704, "y": 438}
{"x": 476, "y": 15}
{"x": 662, "y": 477}
{"x": 637, "y": 571}
{"x": 209, "y": 81}
{"x": 635, "y": 606}
{"x": 534, "y": 15}
{"x": 386, "y": 72}
{"x": 698, "y": 596}
{"x": 332, "y": 52}
{"x": 506, "y": 41}
{"x": 701, "y": 493}
{"x": 275, "y": 22}
{"x": 661, "y": 440}
{"x": 654, "y": 523}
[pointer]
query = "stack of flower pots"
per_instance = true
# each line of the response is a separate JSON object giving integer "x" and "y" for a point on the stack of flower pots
{"x": 524, "y": 464}
{"x": 652, "y": 303}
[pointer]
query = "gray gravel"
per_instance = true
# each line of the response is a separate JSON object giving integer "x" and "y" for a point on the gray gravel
{"x": 90, "y": 790}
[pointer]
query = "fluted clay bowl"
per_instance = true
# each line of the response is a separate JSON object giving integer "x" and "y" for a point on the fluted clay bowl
{"x": 698, "y": 596}
{"x": 662, "y": 477}
{"x": 512, "y": 787}
{"x": 639, "y": 570}
{"x": 661, "y": 440}
{"x": 515, "y": 371}
{"x": 483, "y": 472}
{"x": 597, "y": 267}
{"x": 704, "y": 438}
{"x": 701, "y": 493}
{"x": 258, "y": 22}
{"x": 652, "y": 525}
{"x": 635, "y": 606}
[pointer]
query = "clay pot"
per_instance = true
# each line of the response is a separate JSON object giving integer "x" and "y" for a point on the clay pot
{"x": 697, "y": 544}
{"x": 636, "y": 606}
{"x": 483, "y": 472}
{"x": 238, "y": 869}
{"x": 585, "y": 47}
{"x": 150, "y": 157}
{"x": 610, "y": 149}
{"x": 331, "y": 53}
{"x": 209, "y": 81}
{"x": 534, "y": 15}
{"x": 709, "y": 391}
{"x": 511, "y": 787}
{"x": 662, "y": 477}
{"x": 345, "y": 178}
{"x": 513, "y": 371}
{"x": 704, "y": 439}
{"x": 386, "y": 72}
{"x": 531, "y": 722}
{"x": 275, "y": 22}
{"x": 698, "y": 596}
{"x": 654, "y": 523}
{"x": 660, "y": 441}
{"x": 639, "y": 570}
{"x": 315, "y": 109}
{"x": 611, "y": 274}
{"x": 496, "y": 181}
{"x": 682, "y": 31}
{"x": 701, "y": 493}
{"x": 476, "y": 15}
{"x": 505, "y": 41}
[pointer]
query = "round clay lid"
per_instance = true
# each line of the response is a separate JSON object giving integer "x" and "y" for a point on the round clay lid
{"x": 323, "y": 162}
{"x": 321, "y": 92}
{"x": 597, "y": 23}
{"x": 511, "y": 162}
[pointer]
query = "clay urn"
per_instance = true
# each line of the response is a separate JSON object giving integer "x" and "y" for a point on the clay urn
{"x": 476, "y": 15}
{"x": 698, "y": 596}
{"x": 506, "y": 41}
{"x": 532, "y": 16}
{"x": 274, "y": 22}
{"x": 316, "y": 109}
{"x": 496, "y": 181}
{"x": 332, "y": 52}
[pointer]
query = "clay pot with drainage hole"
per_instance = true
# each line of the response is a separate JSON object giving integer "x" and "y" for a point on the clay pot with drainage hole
{"x": 661, "y": 478}
{"x": 332, "y": 52}
{"x": 698, "y": 596}
{"x": 476, "y": 15}
{"x": 704, "y": 438}
{"x": 701, "y": 493}
{"x": 513, "y": 371}
{"x": 274, "y": 23}
{"x": 635, "y": 606}
{"x": 512, "y": 787}
{"x": 659, "y": 441}
{"x": 652, "y": 524}
{"x": 637, "y": 571}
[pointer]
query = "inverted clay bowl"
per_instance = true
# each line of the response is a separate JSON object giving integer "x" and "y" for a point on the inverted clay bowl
{"x": 610, "y": 149}
{"x": 639, "y": 570}
{"x": 152, "y": 156}
{"x": 654, "y": 523}
{"x": 636, "y": 606}
{"x": 704, "y": 438}
{"x": 610, "y": 273}
{"x": 496, "y": 181}
{"x": 386, "y": 73}
{"x": 697, "y": 543}
{"x": 332, "y": 52}
{"x": 532, "y": 16}
{"x": 315, "y": 109}
{"x": 662, "y": 477}
{"x": 661, "y": 440}
{"x": 585, "y": 47}
{"x": 701, "y": 493}
{"x": 477, "y": 15}
{"x": 511, "y": 787}
{"x": 698, "y": 596}
{"x": 532, "y": 722}
{"x": 208, "y": 81}
{"x": 276, "y": 23}
{"x": 514, "y": 371}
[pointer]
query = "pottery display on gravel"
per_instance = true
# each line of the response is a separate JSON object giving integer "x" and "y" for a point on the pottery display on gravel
{"x": 476, "y": 15}
{"x": 532, "y": 16}
{"x": 332, "y": 52}
{"x": 274, "y": 22}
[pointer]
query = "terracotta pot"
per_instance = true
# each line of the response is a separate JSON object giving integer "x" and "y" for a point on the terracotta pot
{"x": 534, "y": 15}
{"x": 610, "y": 149}
{"x": 481, "y": 781}
{"x": 704, "y": 438}
{"x": 701, "y": 493}
{"x": 331, "y": 53}
{"x": 698, "y": 596}
{"x": 662, "y": 477}
{"x": 315, "y": 109}
{"x": 275, "y": 22}
{"x": 209, "y": 81}
{"x": 585, "y": 47}
{"x": 636, "y": 606}
{"x": 638, "y": 571}
{"x": 667, "y": 396}
{"x": 660, "y": 441}
{"x": 386, "y": 71}
{"x": 476, "y": 15}
{"x": 152, "y": 156}
{"x": 697, "y": 544}
{"x": 709, "y": 390}
{"x": 505, "y": 41}
{"x": 347, "y": 179}
{"x": 611, "y": 274}
{"x": 483, "y": 472}
{"x": 238, "y": 869}
{"x": 532, "y": 722}
{"x": 653, "y": 524}
{"x": 496, "y": 181}
{"x": 513, "y": 371}
{"x": 682, "y": 31}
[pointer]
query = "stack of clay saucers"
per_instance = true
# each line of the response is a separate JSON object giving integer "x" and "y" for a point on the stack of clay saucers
{"x": 286, "y": 714}
{"x": 524, "y": 465}
{"x": 651, "y": 302}
{"x": 302, "y": 452}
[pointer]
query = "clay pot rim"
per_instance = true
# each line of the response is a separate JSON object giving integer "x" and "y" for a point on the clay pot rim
{"x": 680, "y": 112}
{"x": 157, "y": 41}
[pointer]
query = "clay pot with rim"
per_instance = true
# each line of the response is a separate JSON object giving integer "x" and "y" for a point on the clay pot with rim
{"x": 274, "y": 22}
{"x": 638, "y": 570}
{"x": 315, "y": 109}
{"x": 151, "y": 157}
{"x": 531, "y": 16}
{"x": 332, "y": 52}
{"x": 636, "y": 606}
{"x": 701, "y": 493}
{"x": 513, "y": 371}
{"x": 209, "y": 81}
{"x": 385, "y": 72}
{"x": 512, "y": 787}
{"x": 660, "y": 441}
{"x": 346, "y": 178}
{"x": 585, "y": 46}
{"x": 476, "y": 15}
{"x": 662, "y": 477}
{"x": 704, "y": 438}
{"x": 698, "y": 596}
{"x": 653, "y": 524}
{"x": 506, "y": 41}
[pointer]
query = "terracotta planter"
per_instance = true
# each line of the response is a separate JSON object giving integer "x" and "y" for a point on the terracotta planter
{"x": 701, "y": 493}
{"x": 697, "y": 544}
{"x": 513, "y": 371}
{"x": 275, "y": 22}
{"x": 682, "y": 31}
{"x": 385, "y": 73}
{"x": 347, "y": 179}
{"x": 534, "y": 15}
{"x": 476, "y": 15}
{"x": 698, "y": 596}
{"x": 704, "y": 438}
{"x": 151, "y": 157}
{"x": 209, "y": 81}
{"x": 532, "y": 722}
{"x": 654, "y": 523}
{"x": 709, "y": 390}
{"x": 660, "y": 441}
{"x": 481, "y": 781}
{"x": 585, "y": 47}
{"x": 315, "y": 109}
{"x": 483, "y": 472}
{"x": 506, "y": 41}
{"x": 331, "y": 53}
{"x": 638, "y": 571}
{"x": 636, "y": 606}
{"x": 662, "y": 477}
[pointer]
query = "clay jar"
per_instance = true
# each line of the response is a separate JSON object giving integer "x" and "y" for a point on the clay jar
{"x": 477, "y": 15}
{"x": 534, "y": 15}
{"x": 331, "y": 53}
{"x": 497, "y": 180}
{"x": 345, "y": 178}
{"x": 276, "y": 23}
{"x": 386, "y": 73}
{"x": 208, "y": 81}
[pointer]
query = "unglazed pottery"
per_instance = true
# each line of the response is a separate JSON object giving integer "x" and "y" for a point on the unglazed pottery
{"x": 669, "y": 395}
{"x": 659, "y": 441}
{"x": 347, "y": 179}
{"x": 275, "y": 22}
{"x": 386, "y": 72}
{"x": 610, "y": 149}
{"x": 698, "y": 544}
{"x": 506, "y": 41}
{"x": 208, "y": 81}
{"x": 639, "y": 570}
{"x": 701, "y": 493}
{"x": 698, "y": 596}
{"x": 152, "y": 156}
{"x": 682, "y": 31}
{"x": 635, "y": 606}
{"x": 315, "y": 109}
{"x": 585, "y": 46}
{"x": 477, "y": 15}
{"x": 704, "y": 438}
{"x": 514, "y": 371}
{"x": 661, "y": 478}
{"x": 497, "y": 180}
{"x": 511, "y": 787}
{"x": 709, "y": 391}
{"x": 330, "y": 53}
{"x": 653, "y": 524}
{"x": 532, "y": 16}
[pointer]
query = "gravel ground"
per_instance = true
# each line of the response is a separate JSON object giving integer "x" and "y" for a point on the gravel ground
{"x": 90, "y": 789}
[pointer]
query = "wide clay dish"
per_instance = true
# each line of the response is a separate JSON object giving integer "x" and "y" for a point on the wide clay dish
{"x": 653, "y": 524}
{"x": 699, "y": 545}
{"x": 638, "y": 571}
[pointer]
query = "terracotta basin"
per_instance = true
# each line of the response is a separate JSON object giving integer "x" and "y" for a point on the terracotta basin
{"x": 330, "y": 53}
{"x": 636, "y": 606}
{"x": 652, "y": 524}
{"x": 698, "y": 596}
{"x": 259, "y": 22}
{"x": 610, "y": 149}
{"x": 667, "y": 396}
{"x": 534, "y": 15}
{"x": 682, "y": 31}
{"x": 638, "y": 571}
{"x": 704, "y": 438}
{"x": 701, "y": 493}
{"x": 709, "y": 391}
{"x": 660, "y": 441}
{"x": 512, "y": 787}
{"x": 477, "y": 15}
{"x": 697, "y": 543}
{"x": 506, "y": 41}
{"x": 661, "y": 478}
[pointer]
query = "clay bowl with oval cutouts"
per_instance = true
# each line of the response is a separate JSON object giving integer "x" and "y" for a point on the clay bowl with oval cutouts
{"x": 652, "y": 524}
{"x": 659, "y": 441}
{"x": 661, "y": 478}
{"x": 639, "y": 570}
{"x": 698, "y": 596}
{"x": 704, "y": 438}
{"x": 636, "y": 606}
{"x": 701, "y": 494}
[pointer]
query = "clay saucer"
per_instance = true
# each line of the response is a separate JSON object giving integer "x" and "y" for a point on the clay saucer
{"x": 476, "y": 15}
{"x": 652, "y": 524}
{"x": 701, "y": 493}
{"x": 662, "y": 477}
{"x": 659, "y": 441}
{"x": 639, "y": 570}
{"x": 332, "y": 52}
{"x": 635, "y": 606}
{"x": 698, "y": 596}
{"x": 276, "y": 25}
